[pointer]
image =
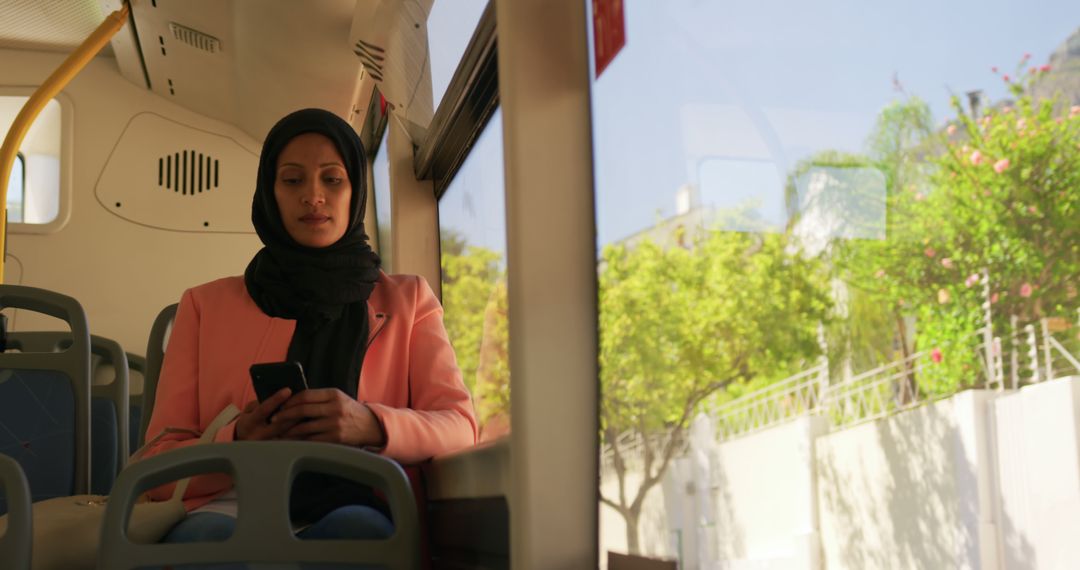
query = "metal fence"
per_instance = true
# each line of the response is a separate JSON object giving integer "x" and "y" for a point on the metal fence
{"x": 1028, "y": 353}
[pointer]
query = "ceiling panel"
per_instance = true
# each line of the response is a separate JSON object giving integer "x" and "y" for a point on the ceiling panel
{"x": 51, "y": 25}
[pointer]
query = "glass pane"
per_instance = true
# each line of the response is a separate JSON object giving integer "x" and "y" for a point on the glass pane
{"x": 822, "y": 231}
{"x": 450, "y": 27}
{"x": 15, "y": 189}
{"x": 380, "y": 171}
{"x": 472, "y": 228}
{"x": 38, "y": 166}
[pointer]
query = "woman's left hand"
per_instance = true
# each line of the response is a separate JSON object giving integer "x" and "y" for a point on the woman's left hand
{"x": 330, "y": 415}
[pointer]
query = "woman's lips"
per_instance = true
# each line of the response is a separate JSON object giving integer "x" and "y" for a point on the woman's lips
{"x": 314, "y": 219}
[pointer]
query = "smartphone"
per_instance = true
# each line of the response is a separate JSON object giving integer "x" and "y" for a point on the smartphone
{"x": 269, "y": 377}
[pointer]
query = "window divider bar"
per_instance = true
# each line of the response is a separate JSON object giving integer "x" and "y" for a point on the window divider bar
{"x": 471, "y": 98}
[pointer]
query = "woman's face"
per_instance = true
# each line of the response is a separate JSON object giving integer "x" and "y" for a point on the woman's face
{"x": 313, "y": 191}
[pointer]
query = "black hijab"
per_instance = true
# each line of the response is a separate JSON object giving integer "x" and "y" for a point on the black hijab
{"x": 324, "y": 289}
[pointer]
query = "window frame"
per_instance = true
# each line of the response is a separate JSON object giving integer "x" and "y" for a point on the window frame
{"x": 372, "y": 135}
{"x": 468, "y": 104}
{"x": 67, "y": 143}
{"x": 21, "y": 158}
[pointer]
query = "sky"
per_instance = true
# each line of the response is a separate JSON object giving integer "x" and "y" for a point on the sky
{"x": 728, "y": 95}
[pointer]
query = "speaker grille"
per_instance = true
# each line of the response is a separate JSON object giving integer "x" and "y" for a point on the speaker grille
{"x": 195, "y": 38}
{"x": 187, "y": 172}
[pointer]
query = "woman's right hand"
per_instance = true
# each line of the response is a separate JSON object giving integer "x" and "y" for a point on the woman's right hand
{"x": 253, "y": 424}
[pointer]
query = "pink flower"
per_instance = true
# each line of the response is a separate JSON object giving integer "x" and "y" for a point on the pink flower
{"x": 1044, "y": 68}
{"x": 950, "y": 130}
{"x": 976, "y": 158}
{"x": 1027, "y": 56}
{"x": 1032, "y": 210}
{"x": 994, "y": 298}
{"x": 1025, "y": 290}
{"x": 943, "y": 296}
{"x": 1001, "y": 165}
{"x": 919, "y": 197}
{"x": 1005, "y": 78}
{"x": 946, "y": 262}
{"x": 1021, "y": 124}
{"x": 1074, "y": 111}
{"x": 993, "y": 69}
{"x": 1007, "y": 110}
{"x": 936, "y": 355}
{"x": 971, "y": 280}
{"x": 879, "y": 273}
{"x": 929, "y": 252}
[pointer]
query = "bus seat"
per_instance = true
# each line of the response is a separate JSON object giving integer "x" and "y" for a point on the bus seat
{"x": 45, "y": 401}
{"x": 136, "y": 363}
{"x": 109, "y": 415}
{"x": 263, "y": 474}
{"x": 16, "y": 532}
{"x": 155, "y": 355}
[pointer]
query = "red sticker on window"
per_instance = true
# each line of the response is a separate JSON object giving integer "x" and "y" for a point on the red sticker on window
{"x": 609, "y": 31}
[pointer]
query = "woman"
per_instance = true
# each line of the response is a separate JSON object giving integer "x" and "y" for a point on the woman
{"x": 381, "y": 372}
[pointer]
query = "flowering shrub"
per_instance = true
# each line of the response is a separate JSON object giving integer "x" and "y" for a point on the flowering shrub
{"x": 998, "y": 192}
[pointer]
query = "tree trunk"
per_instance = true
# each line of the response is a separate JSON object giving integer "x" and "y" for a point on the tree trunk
{"x": 632, "y": 517}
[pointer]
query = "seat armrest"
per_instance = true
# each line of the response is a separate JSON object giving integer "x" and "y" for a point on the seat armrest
{"x": 477, "y": 472}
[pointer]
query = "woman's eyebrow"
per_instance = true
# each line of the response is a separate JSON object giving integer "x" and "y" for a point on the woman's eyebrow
{"x": 298, "y": 165}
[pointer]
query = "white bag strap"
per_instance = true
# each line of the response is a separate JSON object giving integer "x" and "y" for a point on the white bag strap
{"x": 223, "y": 418}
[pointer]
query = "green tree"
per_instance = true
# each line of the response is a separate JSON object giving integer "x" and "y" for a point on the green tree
{"x": 476, "y": 319}
{"x": 678, "y": 325}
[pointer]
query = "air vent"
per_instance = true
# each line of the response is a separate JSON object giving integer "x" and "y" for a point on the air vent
{"x": 188, "y": 172}
{"x": 372, "y": 56}
{"x": 195, "y": 38}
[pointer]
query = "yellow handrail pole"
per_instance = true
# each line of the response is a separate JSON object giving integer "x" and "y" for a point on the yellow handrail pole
{"x": 57, "y": 81}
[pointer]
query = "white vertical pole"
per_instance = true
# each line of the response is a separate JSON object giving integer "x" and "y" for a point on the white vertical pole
{"x": 544, "y": 90}
{"x": 1014, "y": 352}
{"x": 988, "y": 327}
{"x": 1033, "y": 353}
{"x": 1046, "y": 348}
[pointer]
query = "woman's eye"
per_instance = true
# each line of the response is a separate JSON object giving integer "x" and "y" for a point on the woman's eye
{"x": 333, "y": 180}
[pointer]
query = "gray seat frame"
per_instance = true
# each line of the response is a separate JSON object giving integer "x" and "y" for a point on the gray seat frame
{"x": 16, "y": 544}
{"x": 155, "y": 357}
{"x": 263, "y": 473}
{"x": 111, "y": 353}
{"x": 74, "y": 362}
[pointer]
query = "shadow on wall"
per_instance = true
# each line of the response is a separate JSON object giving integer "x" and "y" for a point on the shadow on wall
{"x": 730, "y": 540}
{"x": 903, "y": 493}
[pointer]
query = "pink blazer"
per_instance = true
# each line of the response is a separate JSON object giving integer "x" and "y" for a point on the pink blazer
{"x": 410, "y": 377}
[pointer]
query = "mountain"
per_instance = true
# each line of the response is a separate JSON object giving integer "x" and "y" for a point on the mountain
{"x": 1064, "y": 74}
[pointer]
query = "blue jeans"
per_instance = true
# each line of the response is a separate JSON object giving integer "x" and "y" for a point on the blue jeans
{"x": 350, "y": 522}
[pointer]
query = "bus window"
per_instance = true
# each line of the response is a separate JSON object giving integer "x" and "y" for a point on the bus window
{"x": 35, "y": 204}
{"x": 16, "y": 191}
{"x": 472, "y": 232}
{"x": 450, "y": 27}
{"x": 380, "y": 170}
{"x": 822, "y": 229}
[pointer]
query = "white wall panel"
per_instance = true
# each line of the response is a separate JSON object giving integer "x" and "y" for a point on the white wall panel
{"x": 909, "y": 491}
{"x": 1039, "y": 474}
{"x": 123, "y": 273}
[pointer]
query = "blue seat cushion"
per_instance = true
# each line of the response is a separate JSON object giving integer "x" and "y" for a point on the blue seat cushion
{"x": 104, "y": 445}
{"x": 134, "y": 420}
{"x": 37, "y": 429}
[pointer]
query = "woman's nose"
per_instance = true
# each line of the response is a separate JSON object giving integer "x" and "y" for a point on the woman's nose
{"x": 313, "y": 195}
